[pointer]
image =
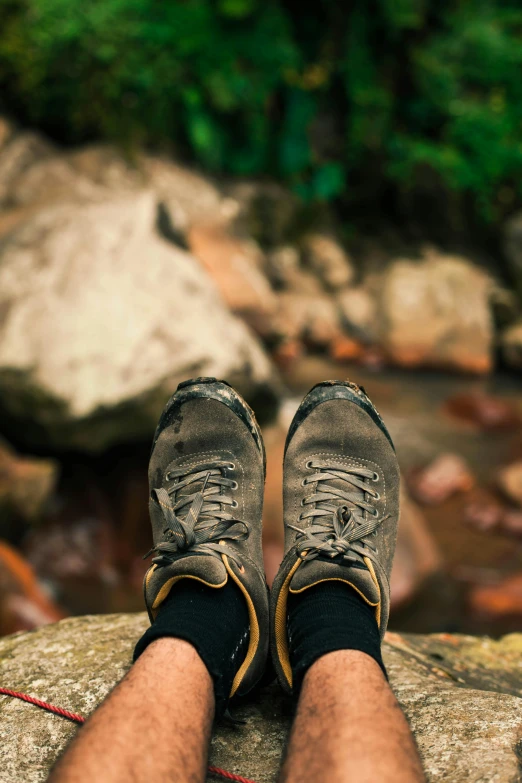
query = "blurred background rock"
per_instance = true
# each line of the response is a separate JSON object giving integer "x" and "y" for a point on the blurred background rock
{"x": 274, "y": 194}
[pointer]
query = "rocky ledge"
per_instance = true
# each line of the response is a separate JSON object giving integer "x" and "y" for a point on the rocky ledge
{"x": 462, "y": 696}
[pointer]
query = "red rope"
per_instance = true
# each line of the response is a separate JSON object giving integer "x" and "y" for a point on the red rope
{"x": 223, "y": 773}
{"x": 43, "y": 704}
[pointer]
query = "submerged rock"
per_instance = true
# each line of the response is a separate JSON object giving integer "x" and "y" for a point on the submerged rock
{"x": 447, "y": 475}
{"x": 462, "y": 696}
{"x": 26, "y": 483}
{"x": 24, "y": 605}
{"x": 102, "y": 317}
{"x": 485, "y": 411}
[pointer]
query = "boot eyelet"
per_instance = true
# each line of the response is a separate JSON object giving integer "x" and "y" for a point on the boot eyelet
{"x": 235, "y": 485}
{"x": 304, "y": 482}
{"x": 235, "y": 504}
{"x": 309, "y": 464}
{"x": 374, "y": 513}
{"x": 302, "y": 501}
{"x": 375, "y": 476}
{"x": 232, "y": 465}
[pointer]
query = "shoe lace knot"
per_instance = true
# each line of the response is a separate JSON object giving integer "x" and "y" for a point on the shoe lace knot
{"x": 196, "y": 504}
{"x": 342, "y": 510}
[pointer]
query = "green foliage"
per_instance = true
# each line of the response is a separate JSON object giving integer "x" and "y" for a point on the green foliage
{"x": 414, "y": 93}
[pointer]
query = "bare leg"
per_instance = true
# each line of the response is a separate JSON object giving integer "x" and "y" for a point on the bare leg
{"x": 349, "y": 726}
{"x": 154, "y": 726}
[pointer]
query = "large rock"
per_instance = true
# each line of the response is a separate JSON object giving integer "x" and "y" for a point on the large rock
{"x": 101, "y": 318}
{"x": 235, "y": 265}
{"x": 94, "y": 173}
{"x": 50, "y": 179}
{"x": 436, "y": 313}
{"x": 462, "y": 696}
{"x": 188, "y": 197}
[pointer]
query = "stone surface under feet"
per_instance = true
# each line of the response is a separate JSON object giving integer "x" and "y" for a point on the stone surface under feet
{"x": 461, "y": 695}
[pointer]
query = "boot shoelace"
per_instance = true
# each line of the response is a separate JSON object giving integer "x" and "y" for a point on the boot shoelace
{"x": 198, "y": 521}
{"x": 342, "y": 520}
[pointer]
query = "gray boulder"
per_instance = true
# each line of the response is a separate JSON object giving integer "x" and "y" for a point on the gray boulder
{"x": 461, "y": 695}
{"x": 328, "y": 260}
{"x": 436, "y": 313}
{"x": 359, "y": 314}
{"x": 101, "y": 317}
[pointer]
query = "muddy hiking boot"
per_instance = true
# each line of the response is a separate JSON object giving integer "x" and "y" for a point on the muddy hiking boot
{"x": 341, "y": 506}
{"x": 206, "y": 480}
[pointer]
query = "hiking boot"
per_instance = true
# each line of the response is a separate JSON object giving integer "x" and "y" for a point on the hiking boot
{"x": 341, "y": 506}
{"x": 206, "y": 480}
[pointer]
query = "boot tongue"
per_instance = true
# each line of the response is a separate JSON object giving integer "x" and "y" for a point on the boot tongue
{"x": 357, "y": 576}
{"x": 160, "y": 581}
{"x": 207, "y": 569}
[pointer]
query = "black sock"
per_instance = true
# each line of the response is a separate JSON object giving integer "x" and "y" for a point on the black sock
{"x": 214, "y": 620}
{"x": 329, "y": 616}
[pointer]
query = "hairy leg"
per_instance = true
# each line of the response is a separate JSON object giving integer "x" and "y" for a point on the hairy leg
{"x": 349, "y": 726}
{"x": 155, "y": 725}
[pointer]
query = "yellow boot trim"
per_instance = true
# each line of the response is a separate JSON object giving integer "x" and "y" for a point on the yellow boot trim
{"x": 149, "y": 574}
{"x": 335, "y": 579}
{"x": 166, "y": 588}
{"x": 280, "y": 629}
{"x": 369, "y": 566}
{"x": 254, "y": 630}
